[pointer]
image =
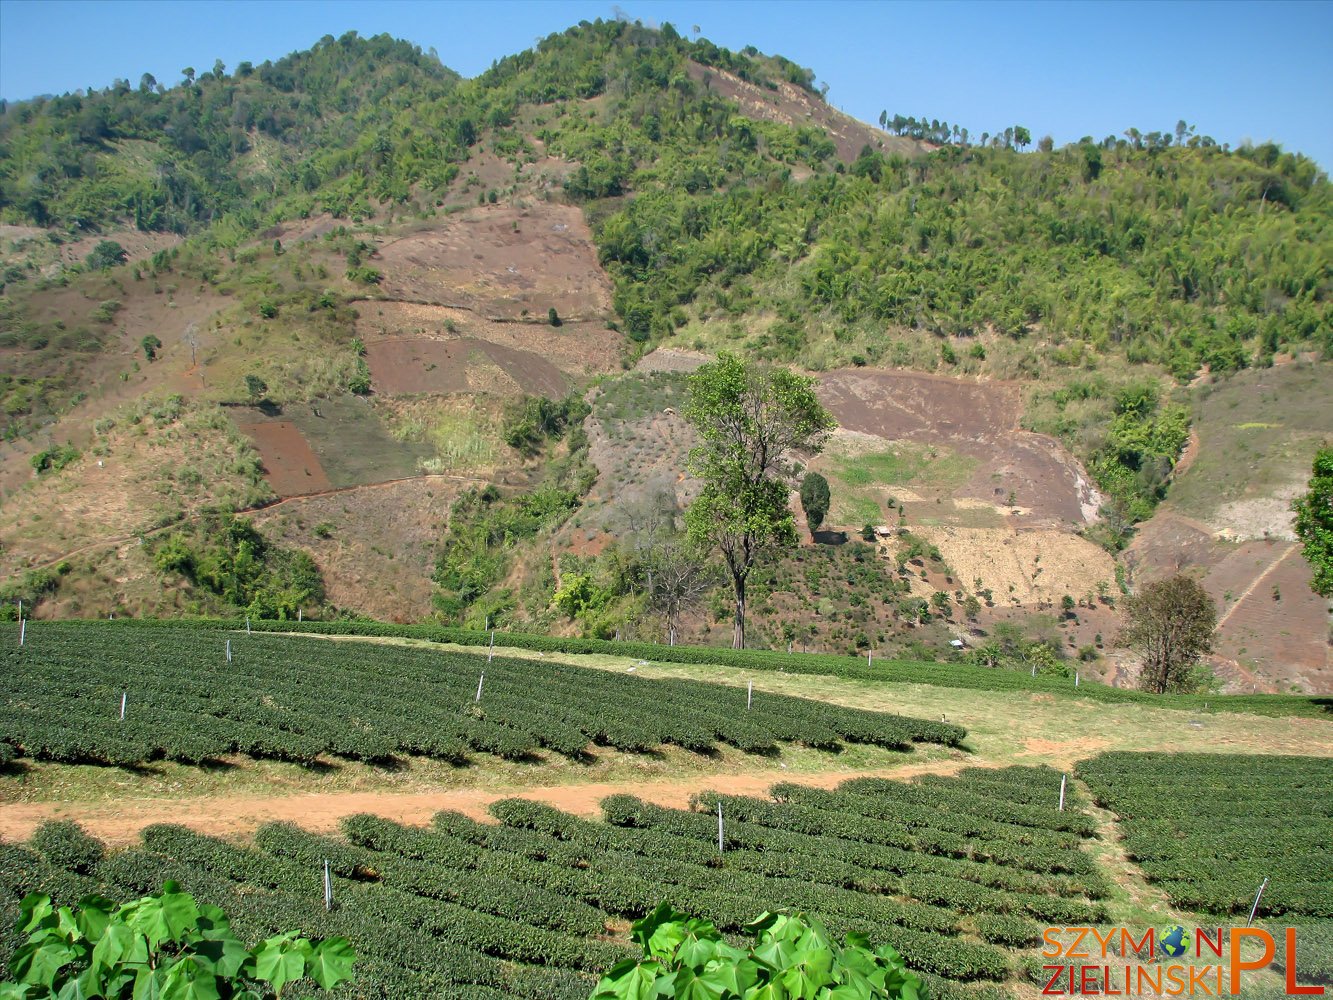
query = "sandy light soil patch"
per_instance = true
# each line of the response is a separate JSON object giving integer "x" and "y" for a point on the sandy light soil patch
{"x": 381, "y": 541}
{"x": 1040, "y": 566}
{"x": 120, "y": 822}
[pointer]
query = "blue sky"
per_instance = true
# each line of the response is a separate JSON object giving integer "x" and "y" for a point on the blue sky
{"x": 1237, "y": 70}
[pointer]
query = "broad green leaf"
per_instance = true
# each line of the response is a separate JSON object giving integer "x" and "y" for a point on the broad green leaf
{"x": 93, "y": 916}
{"x": 33, "y": 910}
{"x": 695, "y": 952}
{"x": 281, "y": 959}
{"x": 665, "y": 939}
{"x": 771, "y": 990}
{"x": 162, "y": 918}
{"x": 224, "y": 956}
{"x": 642, "y": 930}
{"x": 148, "y": 984}
{"x": 859, "y": 990}
{"x": 16, "y": 991}
{"x": 690, "y": 986}
{"x": 187, "y": 981}
{"x": 120, "y": 945}
{"x": 331, "y": 962}
{"x": 39, "y": 961}
{"x": 66, "y": 925}
{"x": 630, "y": 980}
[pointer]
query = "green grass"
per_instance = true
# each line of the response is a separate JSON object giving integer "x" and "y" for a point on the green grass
{"x": 904, "y": 464}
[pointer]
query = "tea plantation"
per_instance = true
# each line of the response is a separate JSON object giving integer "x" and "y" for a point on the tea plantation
{"x": 1208, "y": 829}
{"x": 188, "y": 699}
{"x": 957, "y": 873}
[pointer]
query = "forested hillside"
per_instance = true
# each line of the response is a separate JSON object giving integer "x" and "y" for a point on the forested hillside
{"x": 379, "y": 268}
{"x": 1182, "y": 255}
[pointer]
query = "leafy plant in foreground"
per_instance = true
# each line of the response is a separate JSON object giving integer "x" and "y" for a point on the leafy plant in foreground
{"x": 165, "y": 946}
{"x": 792, "y": 956}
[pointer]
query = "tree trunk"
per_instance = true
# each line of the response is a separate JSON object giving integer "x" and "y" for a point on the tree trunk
{"x": 738, "y": 627}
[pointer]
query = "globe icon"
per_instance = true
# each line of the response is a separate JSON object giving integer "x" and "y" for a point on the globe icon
{"x": 1171, "y": 939}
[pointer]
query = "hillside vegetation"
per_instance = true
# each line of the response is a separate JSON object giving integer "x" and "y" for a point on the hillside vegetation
{"x": 373, "y": 269}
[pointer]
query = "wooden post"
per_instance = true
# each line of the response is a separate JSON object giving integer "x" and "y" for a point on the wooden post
{"x": 1255, "y": 908}
{"x": 480, "y": 681}
{"x": 1063, "y": 779}
{"x": 328, "y": 887}
{"x": 749, "y": 697}
{"x": 124, "y": 696}
{"x": 719, "y": 826}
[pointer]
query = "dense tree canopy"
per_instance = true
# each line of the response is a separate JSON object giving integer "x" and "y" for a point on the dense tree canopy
{"x": 1171, "y": 624}
{"x": 751, "y": 420}
{"x": 1314, "y": 522}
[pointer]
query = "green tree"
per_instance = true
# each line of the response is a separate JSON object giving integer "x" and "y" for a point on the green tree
{"x": 815, "y": 500}
{"x": 1314, "y": 523}
{"x": 165, "y": 945}
{"x": 150, "y": 344}
{"x": 750, "y": 419}
{"x": 1171, "y": 624}
{"x": 255, "y": 387}
{"x": 107, "y": 254}
{"x": 792, "y": 956}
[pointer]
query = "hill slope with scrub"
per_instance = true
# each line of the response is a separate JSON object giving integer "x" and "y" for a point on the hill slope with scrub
{"x": 372, "y": 279}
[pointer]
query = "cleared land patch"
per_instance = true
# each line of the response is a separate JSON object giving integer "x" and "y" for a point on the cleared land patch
{"x": 501, "y": 261}
{"x": 401, "y": 367}
{"x": 575, "y": 347}
{"x": 1029, "y": 474}
{"x": 331, "y": 443}
{"x": 1270, "y": 622}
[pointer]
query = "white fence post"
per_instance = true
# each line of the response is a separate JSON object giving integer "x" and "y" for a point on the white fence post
{"x": 480, "y": 681}
{"x": 1255, "y": 908}
{"x": 1063, "y": 779}
{"x": 328, "y": 887}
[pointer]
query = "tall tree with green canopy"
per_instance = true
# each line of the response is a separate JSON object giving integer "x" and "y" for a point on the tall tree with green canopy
{"x": 750, "y": 419}
{"x": 1171, "y": 624}
{"x": 815, "y": 500}
{"x": 1314, "y": 523}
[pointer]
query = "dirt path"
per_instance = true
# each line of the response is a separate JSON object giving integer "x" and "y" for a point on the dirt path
{"x": 236, "y": 816}
{"x": 1254, "y": 584}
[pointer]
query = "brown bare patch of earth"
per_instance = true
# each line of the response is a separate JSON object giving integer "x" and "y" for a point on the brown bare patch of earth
{"x": 574, "y": 347}
{"x": 380, "y": 546}
{"x": 1271, "y": 624}
{"x": 146, "y": 476}
{"x": 445, "y": 366}
{"x": 501, "y": 261}
{"x": 290, "y": 465}
{"x": 979, "y": 419}
{"x": 119, "y": 822}
{"x": 1041, "y": 566}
